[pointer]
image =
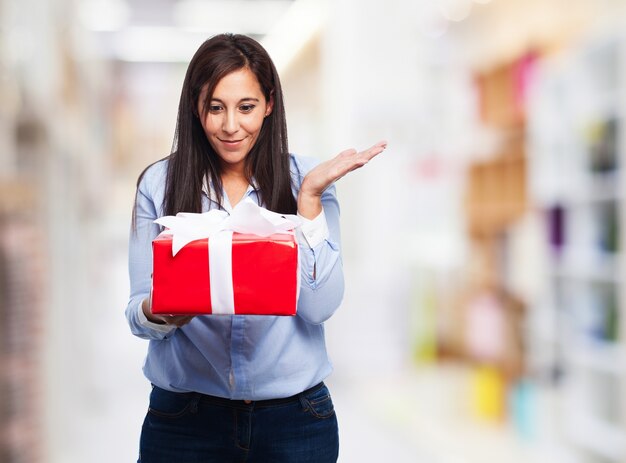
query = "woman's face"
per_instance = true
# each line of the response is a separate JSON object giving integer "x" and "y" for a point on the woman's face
{"x": 235, "y": 116}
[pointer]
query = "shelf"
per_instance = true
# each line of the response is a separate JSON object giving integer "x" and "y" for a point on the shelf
{"x": 598, "y": 355}
{"x": 588, "y": 266}
{"x": 604, "y": 105}
{"x": 588, "y": 189}
{"x": 597, "y": 187}
{"x": 577, "y": 149}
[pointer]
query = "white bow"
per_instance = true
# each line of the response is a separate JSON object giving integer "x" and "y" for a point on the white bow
{"x": 246, "y": 217}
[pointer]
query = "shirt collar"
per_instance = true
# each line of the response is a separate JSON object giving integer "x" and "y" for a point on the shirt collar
{"x": 209, "y": 191}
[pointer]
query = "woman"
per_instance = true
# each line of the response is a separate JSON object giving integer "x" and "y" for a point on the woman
{"x": 238, "y": 388}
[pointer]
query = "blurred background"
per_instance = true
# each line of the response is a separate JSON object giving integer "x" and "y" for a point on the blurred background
{"x": 485, "y": 313}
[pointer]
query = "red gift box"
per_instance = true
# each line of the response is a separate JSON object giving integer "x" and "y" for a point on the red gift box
{"x": 264, "y": 276}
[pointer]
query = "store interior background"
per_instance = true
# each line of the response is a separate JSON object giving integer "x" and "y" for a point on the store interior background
{"x": 485, "y": 312}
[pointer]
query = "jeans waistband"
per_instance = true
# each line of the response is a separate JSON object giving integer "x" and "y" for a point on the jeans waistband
{"x": 257, "y": 403}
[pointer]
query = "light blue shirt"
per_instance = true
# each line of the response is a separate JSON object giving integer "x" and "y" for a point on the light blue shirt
{"x": 238, "y": 356}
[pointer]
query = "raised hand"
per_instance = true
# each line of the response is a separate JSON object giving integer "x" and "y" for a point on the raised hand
{"x": 328, "y": 172}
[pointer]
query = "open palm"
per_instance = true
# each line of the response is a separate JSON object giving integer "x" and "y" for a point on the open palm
{"x": 328, "y": 172}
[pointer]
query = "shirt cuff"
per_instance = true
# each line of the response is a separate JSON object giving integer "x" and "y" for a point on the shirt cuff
{"x": 143, "y": 320}
{"x": 314, "y": 231}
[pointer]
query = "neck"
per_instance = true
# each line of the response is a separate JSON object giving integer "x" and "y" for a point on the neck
{"x": 233, "y": 171}
{"x": 235, "y": 185}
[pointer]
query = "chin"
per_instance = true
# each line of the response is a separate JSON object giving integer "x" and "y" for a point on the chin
{"x": 232, "y": 160}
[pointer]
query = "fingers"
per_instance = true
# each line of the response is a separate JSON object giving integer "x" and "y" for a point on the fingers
{"x": 328, "y": 172}
{"x": 349, "y": 160}
{"x": 178, "y": 320}
{"x": 374, "y": 150}
{"x": 382, "y": 144}
{"x": 368, "y": 153}
{"x": 347, "y": 153}
{"x": 365, "y": 155}
{"x": 183, "y": 321}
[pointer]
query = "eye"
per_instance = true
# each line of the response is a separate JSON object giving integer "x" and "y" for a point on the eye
{"x": 246, "y": 108}
{"x": 214, "y": 108}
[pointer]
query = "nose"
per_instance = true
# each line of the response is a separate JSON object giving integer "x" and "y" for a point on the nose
{"x": 230, "y": 123}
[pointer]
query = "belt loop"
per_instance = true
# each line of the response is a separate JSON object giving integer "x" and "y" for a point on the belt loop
{"x": 303, "y": 402}
{"x": 194, "y": 403}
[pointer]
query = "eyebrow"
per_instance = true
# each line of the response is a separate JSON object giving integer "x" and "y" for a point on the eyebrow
{"x": 242, "y": 100}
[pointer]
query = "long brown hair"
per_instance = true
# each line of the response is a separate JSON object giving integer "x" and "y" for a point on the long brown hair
{"x": 192, "y": 157}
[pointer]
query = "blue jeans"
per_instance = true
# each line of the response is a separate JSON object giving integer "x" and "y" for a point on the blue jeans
{"x": 195, "y": 428}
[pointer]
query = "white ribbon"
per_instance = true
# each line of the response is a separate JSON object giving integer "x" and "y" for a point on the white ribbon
{"x": 218, "y": 226}
{"x": 221, "y": 273}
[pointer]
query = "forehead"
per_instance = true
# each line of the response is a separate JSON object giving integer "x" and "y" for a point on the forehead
{"x": 241, "y": 83}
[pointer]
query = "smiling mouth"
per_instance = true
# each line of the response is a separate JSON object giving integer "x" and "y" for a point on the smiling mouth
{"x": 231, "y": 142}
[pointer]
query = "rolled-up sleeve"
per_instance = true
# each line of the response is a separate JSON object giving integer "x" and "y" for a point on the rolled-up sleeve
{"x": 140, "y": 259}
{"x": 322, "y": 283}
{"x": 313, "y": 231}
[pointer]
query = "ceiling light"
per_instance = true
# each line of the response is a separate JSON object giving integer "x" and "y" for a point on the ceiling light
{"x": 455, "y": 10}
{"x": 103, "y": 15}
{"x": 155, "y": 44}
{"x": 238, "y": 16}
{"x": 295, "y": 29}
